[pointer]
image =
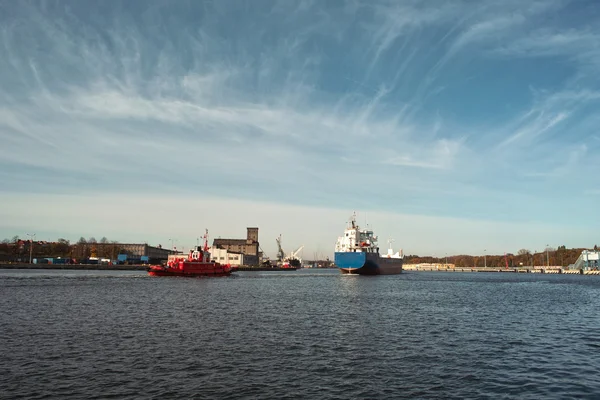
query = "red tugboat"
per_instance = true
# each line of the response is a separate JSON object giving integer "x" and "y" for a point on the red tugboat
{"x": 197, "y": 263}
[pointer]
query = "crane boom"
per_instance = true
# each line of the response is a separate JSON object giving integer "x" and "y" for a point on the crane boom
{"x": 295, "y": 253}
{"x": 280, "y": 253}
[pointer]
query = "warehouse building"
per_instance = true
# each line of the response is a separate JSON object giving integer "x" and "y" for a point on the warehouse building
{"x": 124, "y": 252}
{"x": 224, "y": 256}
{"x": 248, "y": 247}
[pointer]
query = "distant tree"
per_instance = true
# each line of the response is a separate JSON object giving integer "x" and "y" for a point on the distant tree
{"x": 82, "y": 240}
{"x": 15, "y": 239}
{"x": 524, "y": 252}
{"x": 104, "y": 240}
{"x": 62, "y": 248}
{"x": 595, "y": 247}
{"x": 92, "y": 240}
{"x": 5, "y": 246}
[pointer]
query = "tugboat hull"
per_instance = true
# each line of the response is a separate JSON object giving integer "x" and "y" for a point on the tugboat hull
{"x": 168, "y": 272}
{"x": 197, "y": 263}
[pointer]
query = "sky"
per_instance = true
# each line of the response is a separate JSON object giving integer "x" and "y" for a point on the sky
{"x": 462, "y": 127}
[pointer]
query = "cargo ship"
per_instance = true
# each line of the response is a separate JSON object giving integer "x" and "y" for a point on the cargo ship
{"x": 197, "y": 263}
{"x": 357, "y": 252}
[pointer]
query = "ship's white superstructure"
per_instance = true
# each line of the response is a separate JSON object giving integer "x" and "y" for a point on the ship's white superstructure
{"x": 356, "y": 239}
{"x": 390, "y": 252}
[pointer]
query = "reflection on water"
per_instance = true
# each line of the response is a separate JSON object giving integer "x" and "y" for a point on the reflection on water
{"x": 305, "y": 333}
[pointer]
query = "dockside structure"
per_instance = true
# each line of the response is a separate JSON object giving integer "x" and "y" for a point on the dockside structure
{"x": 133, "y": 251}
{"x": 249, "y": 247}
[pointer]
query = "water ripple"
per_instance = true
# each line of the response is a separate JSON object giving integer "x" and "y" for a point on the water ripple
{"x": 304, "y": 334}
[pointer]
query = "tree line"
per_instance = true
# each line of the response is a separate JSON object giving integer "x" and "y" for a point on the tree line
{"x": 85, "y": 248}
{"x": 561, "y": 256}
{"x": 63, "y": 248}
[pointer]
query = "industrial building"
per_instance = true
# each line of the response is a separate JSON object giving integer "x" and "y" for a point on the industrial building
{"x": 588, "y": 260}
{"x": 224, "y": 256}
{"x": 124, "y": 252}
{"x": 248, "y": 247}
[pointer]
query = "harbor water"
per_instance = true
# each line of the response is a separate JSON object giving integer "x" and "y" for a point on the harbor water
{"x": 298, "y": 334}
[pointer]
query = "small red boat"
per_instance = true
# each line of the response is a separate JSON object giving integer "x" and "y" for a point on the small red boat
{"x": 197, "y": 263}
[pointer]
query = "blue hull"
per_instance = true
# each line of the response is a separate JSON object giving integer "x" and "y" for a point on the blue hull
{"x": 357, "y": 263}
{"x": 360, "y": 263}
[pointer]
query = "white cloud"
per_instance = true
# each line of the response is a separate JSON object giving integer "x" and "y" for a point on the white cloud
{"x": 549, "y": 113}
{"x": 563, "y": 167}
{"x": 399, "y": 20}
{"x": 408, "y": 161}
{"x": 440, "y": 155}
{"x": 536, "y": 127}
{"x": 286, "y": 103}
{"x": 546, "y": 43}
{"x": 484, "y": 30}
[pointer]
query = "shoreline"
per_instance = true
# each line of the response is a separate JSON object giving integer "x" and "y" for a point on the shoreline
{"x": 518, "y": 270}
{"x": 406, "y": 268}
{"x": 137, "y": 267}
{"x": 89, "y": 267}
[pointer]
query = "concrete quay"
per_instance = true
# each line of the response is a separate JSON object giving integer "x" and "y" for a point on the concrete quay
{"x": 406, "y": 267}
{"x": 258, "y": 269}
{"x": 104, "y": 267}
{"x": 528, "y": 270}
{"x": 87, "y": 267}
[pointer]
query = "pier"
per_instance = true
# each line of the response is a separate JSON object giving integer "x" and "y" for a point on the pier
{"x": 526, "y": 269}
{"x": 406, "y": 267}
{"x": 116, "y": 267}
{"x": 90, "y": 267}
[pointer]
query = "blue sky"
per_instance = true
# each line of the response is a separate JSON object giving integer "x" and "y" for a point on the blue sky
{"x": 452, "y": 127}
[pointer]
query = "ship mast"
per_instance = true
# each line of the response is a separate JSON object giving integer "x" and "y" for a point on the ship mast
{"x": 205, "y": 240}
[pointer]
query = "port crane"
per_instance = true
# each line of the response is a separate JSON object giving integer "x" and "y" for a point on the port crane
{"x": 293, "y": 259}
{"x": 280, "y": 253}
{"x": 294, "y": 254}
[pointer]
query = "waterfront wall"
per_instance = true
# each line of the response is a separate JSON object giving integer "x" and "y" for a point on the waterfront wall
{"x": 99, "y": 267}
{"x": 406, "y": 267}
{"x": 102, "y": 267}
{"x": 532, "y": 270}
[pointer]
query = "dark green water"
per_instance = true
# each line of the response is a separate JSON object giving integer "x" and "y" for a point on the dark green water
{"x": 298, "y": 334}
